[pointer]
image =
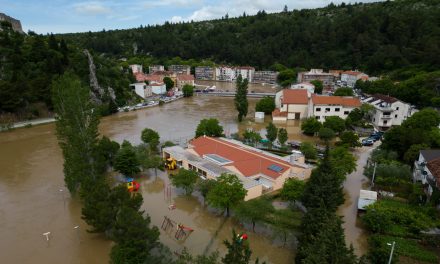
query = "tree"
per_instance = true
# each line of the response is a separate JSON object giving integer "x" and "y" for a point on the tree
{"x": 271, "y": 132}
{"x": 77, "y": 130}
{"x": 150, "y": 137}
{"x": 106, "y": 151}
{"x": 228, "y": 191}
{"x": 241, "y": 102}
{"x": 425, "y": 118}
{"x": 318, "y": 86}
{"x": 286, "y": 77}
{"x": 292, "y": 190}
{"x": 206, "y": 186}
{"x": 209, "y": 127}
{"x": 185, "y": 179}
{"x": 282, "y": 136}
{"x": 251, "y": 137}
{"x": 126, "y": 161}
{"x": 255, "y": 210}
{"x": 283, "y": 222}
{"x": 238, "y": 251}
{"x": 326, "y": 134}
{"x": 335, "y": 123}
{"x": 169, "y": 83}
{"x": 309, "y": 150}
{"x": 350, "y": 139}
{"x": 345, "y": 91}
{"x": 342, "y": 161}
{"x": 266, "y": 105}
{"x": 188, "y": 90}
{"x": 413, "y": 152}
{"x": 310, "y": 126}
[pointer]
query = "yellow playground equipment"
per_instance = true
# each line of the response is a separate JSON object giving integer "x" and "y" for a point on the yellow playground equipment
{"x": 170, "y": 164}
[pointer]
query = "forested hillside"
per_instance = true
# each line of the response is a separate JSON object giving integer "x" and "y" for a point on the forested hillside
{"x": 376, "y": 38}
{"x": 29, "y": 63}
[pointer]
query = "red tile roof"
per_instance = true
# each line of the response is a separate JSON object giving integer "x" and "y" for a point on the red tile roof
{"x": 295, "y": 96}
{"x": 434, "y": 168}
{"x": 185, "y": 77}
{"x": 356, "y": 73}
{"x": 336, "y": 100}
{"x": 277, "y": 112}
{"x": 385, "y": 98}
{"x": 248, "y": 162}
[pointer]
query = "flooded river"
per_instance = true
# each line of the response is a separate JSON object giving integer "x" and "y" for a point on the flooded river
{"x": 33, "y": 200}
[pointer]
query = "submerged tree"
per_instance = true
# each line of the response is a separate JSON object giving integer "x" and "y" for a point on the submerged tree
{"x": 227, "y": 192}
{"x": 255, "y": 210}
{"x": 241, "y": 102}
{"x": 77, "y": 130}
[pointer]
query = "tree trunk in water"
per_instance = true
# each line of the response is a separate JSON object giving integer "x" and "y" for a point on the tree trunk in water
{"x": 227, "y": 211}
{"x": 253, "y": 226}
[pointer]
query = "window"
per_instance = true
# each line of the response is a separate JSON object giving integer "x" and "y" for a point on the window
{"x": 337, "y": 109}
{"x": 395, "y": 116}
{"x": 318, "y": 109}
{"x": 327, "y": 109}
{"x": 397, "y": 108}
{"x": 318, "y": 117}
{"x": 275, "y": 168}
{"x": 387, "y": 113}
{"x": 385, "y": 122}
{"x": 346, "y": 112}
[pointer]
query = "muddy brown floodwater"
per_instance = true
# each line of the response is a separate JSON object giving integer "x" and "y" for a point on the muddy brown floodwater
{"x": 33, "y": 200}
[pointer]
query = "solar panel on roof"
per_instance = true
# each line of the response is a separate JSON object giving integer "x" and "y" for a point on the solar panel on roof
{"x": 275, "y": 168}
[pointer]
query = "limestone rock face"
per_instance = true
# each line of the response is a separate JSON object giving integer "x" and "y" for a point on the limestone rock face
{"x": 16, "y": 24}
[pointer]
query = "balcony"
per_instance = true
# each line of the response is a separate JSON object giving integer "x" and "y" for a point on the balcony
{"x": 386, "y": 117}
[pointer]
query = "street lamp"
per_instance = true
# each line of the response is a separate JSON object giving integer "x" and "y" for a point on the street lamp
{"x": 392, "y": 251}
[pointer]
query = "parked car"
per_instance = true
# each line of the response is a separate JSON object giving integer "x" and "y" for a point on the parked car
{"x": 367, "y": 142}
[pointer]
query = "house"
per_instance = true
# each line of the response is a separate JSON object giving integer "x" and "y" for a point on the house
{"x": 304, "y": 85}
{"x": 155, "y": 68}
{"x": 427, "y": 170}
{"x": 163, "y": 74}
{"x": 157, "y": 88}
{"x": 341, "y": 106}
{"x": 224, "y": 73}
{"x": 246, "y": 72}
{"x": 136, "y": 68}
{"x": 183, "y": 79}
{"x": 265, "y": 77}
{"x": 297, "y": 104}
{"x": 388, "y": 111}
{"x": 142, "y": 89}
{"x": 351, "y": 77}
{"x": 205, "y": 73}
{"x": 259, "y": 171}
{"x": 180, "y": 69}
{"x": 327, "y": 79}
{"x": 336, "y": 73}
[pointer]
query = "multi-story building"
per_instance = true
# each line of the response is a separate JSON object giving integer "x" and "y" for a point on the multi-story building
{"x": 246, "y": 72}
{"x": 180, "y": 69}
{"x": 136, "y": 68}
{"x": 388, "y": 111}
{"x": 327, "y": 79}
{"x": 205, "y": 73}
{"x": 297, "y": 104}
{"x": 155, "y": 68}
{"x": 142, "y": 89}
{"x": 350, "y": 77}
{"x": 259, "y": 171}
{"x": 224, "y": 73}
{"x": 183, "y": 79}
{"x": 265, "y": 77}
{"x": 427, "y": 170}
{"x": 304, "y": 85}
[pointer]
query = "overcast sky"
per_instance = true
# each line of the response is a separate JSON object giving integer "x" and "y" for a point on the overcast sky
{"x": 63, "y": 16}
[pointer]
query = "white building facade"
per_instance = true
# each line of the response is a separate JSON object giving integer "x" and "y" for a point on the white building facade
{"x": 142, "y": 89}
{"x": 351, "y": 77}
{"x": 304, "y": 85}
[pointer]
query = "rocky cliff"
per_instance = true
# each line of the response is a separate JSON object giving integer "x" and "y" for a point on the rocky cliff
{"x": 16, "y": 24}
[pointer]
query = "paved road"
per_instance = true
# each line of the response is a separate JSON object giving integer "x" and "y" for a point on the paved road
{"x": 354, "y": 233}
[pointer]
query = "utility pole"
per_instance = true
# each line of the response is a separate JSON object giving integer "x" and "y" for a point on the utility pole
{"x": 392, "y": 251}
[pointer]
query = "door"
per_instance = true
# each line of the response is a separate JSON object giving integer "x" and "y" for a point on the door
{"x": 297, "y": 116}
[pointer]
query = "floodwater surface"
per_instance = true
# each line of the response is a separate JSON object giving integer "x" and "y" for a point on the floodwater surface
{"x": 34, "y": 201}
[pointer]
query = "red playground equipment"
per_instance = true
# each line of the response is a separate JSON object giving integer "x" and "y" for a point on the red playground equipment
{"x": 132, "y": 185}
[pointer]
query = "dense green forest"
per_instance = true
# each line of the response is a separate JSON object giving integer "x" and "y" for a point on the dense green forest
{"x": 29, "y": 63}
{"x": 376, "y": 38}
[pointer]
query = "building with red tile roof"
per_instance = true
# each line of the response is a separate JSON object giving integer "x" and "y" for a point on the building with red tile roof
{"x": 257, "y": 169}
{"x": 427, "y": 170}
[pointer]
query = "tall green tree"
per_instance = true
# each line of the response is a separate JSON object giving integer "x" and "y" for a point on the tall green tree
{"x": 251, "y": 136}
{"x": 343, "y": 92}
{"x": 169, "y": 83}
{"x": 255, "y": 210}
{"x": 126, "y": 160}
{"x": 209, "y": 127}
{"x": 150, "y": 137}
{"x": 271, "y": 132}
{"x": 292, "y": 190}
{"x": 241, "y": 102}
{"x": 227, "y": 192}
{"x": 309, "y": 150}
{"x": 310, "y": 126}
{"x": 319, "y": 86}
{"x": 188, "y": 90}
{"x": 185, "y": 179}
{"x": 282, "y": 136}
{"x": 266, "y": 105}
{"x": 326, "y": 134}
{"x": 350, "y": 139}
{"x": 77, "y": 130}
{"x": 335, "y": 123}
